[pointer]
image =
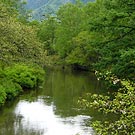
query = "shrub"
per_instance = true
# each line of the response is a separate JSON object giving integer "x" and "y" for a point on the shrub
{"x": 25, "y": 76}
{"x": 123, "y": 104}
{"x": 11, "y": 89}
{"x": 14, "y": 78}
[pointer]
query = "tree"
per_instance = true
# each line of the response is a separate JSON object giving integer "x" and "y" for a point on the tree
{"x": 83, "y": 54}
{"x": 70, "y": 18}
{"x": 18, "y": 41}
{"x": 46, "y": 33}
{"x": 115, "y": 22}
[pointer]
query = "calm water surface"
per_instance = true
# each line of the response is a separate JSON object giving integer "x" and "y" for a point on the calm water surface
{"x": 52, "y": 110}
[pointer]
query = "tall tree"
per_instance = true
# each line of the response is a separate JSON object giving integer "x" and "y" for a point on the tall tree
{"x": 70, "y": 18}
{"x": 46, "y": 33}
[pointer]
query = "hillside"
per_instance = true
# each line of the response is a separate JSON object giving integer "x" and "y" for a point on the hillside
{"x": 42, "y": 7}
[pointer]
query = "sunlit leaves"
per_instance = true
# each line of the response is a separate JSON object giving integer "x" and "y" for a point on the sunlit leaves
{"x": 18, "y": 42}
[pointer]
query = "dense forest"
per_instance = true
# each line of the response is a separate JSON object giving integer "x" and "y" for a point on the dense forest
{"x": 97, "y": 36}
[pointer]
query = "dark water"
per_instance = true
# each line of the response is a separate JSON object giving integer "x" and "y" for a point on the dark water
{"x": 52, "y": 110}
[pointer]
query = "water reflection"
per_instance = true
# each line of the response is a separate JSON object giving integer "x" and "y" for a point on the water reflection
{"x": 66, "y": 87}
{"x": 52, "y": 110}
{"x": 37, "y": 117}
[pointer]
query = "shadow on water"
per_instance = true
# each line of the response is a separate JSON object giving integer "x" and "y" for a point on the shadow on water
{"x": 52, "y": 110}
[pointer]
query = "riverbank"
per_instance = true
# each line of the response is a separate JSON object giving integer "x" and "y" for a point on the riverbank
{"x": 17, "y": 78}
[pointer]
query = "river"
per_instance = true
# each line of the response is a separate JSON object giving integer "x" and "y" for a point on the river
{"x": 53, "y": 109}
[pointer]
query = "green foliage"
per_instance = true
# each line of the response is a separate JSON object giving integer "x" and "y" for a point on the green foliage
{"x": 126, "y": 66}
{"x": 18, "y": 77}
{"x": 25, "y": 76}
{"x": 18, "y": 42}
{"x": 116, "y": 47}
{"x": 11, "y": 89}
{"x": 70, "y": 19}
{"x": 83, "y": 53}
{"x": 8, "y": 89}
{"x": 122, "y": 104}
{"x": 67, "y": 36}
{"x": 46, "y": 33}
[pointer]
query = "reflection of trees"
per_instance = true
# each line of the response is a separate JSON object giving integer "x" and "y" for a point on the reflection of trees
{"x": 13, "y": 125}
{"x": 7, "y": 118}
{"x": 66, "y": 88}
{"x": 22, "y": 129}
{"x": 7, "y": 127}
